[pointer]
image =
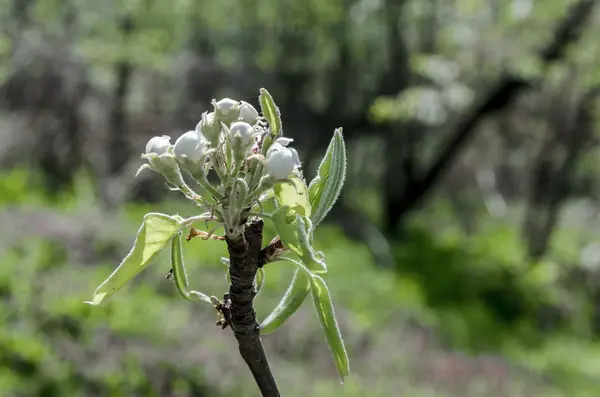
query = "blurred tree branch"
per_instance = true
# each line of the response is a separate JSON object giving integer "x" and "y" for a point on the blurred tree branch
{"x": 497, "y": 98}
{"x": 553, "y": 171}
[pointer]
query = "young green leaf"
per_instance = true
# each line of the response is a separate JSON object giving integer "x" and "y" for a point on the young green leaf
{"x": 154, "y": 234}
{"x": 295, "y": 232}
{"x": 325, "y": 189}
{"x": 293, "y": 192}
{"x": 322, "y": 300}
{"x": 180, "y": 275}
{"x": 270, "y": 112}
{"x": 259, "y": 280}
{"x": 289, "y": 304}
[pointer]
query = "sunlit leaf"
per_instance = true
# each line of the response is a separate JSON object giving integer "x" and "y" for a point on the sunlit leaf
{"x": 322, "y": 300}
{"x": 289, "y": 304}
{"x": 293, "y": 193}
{"x": 270, "y": 112}
{"x": 154, "y": 234}
{"x": 180, "y": 275}
{"x": 295, "y": 232}
{"x": 325, "y": 189}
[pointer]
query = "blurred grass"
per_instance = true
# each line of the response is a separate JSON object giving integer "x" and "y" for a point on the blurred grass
{"x": 458, "y": 315}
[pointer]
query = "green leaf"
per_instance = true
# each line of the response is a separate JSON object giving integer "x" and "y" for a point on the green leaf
{"x": 295, "y": 231}
{"x": 325, "y": 189}
{"x": 154, "y": 234}
{"x": 289, "y": 304}
{"x": 270, "y": 112}
{"x": 293, "y": 192}
{"x": 260, "y": 280}
{"x": 180, "y": 275}
{"x": 322, "y": 300}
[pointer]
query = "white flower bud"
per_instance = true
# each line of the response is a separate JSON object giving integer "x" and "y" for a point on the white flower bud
{"x": 190, "y": 146}
{"x": 241, "y": 136}
{"x": 209, "y": 127}
{"x": 281, "y": 161}
{"x": 161, "y": 160}
{"x": 283, "y": 141}
{"x": 248, "y": 113}
{"x": 158, "y": 145}
{"x": 227, "y": 110}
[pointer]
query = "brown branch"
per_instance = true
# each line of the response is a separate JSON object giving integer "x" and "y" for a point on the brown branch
{"x": 274, "y": 249}
{"x": 244, "y": 254}
{"x": 568, "y": 31}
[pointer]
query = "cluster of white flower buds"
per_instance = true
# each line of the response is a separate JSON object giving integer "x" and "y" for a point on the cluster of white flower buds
{"x": 230, "y": 141}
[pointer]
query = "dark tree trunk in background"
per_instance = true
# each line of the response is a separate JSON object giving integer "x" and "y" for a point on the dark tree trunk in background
{"x": 52, "y": 99}
{"x": 20, "y": 11}
{"x": 58, "y": 123}
{"x": 118, "y": 134}
{"x": 203, "y": 76}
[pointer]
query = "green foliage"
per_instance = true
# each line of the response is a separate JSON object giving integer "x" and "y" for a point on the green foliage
{"x": 292, "y": 221}
{"x": 477, "y": 290}
{"x": 482, "y": 296}
{"x": 294, "y": 194}
{"x": 270, "y": 112}
{"x": 295, "y": 231}
{"x": 326, "y": 187}
{"x": 14, "y": 188}
{"x": 156, "y": 232}
{"x": 48, "y": 335}
{"x": 52, "y": 322}
{"x": 289, "y": 304}
{"x": 322, "y": 300}
{"x": 180, "y": 274}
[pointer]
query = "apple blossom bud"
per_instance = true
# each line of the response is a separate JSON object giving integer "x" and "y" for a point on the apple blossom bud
{"x": 281, "y": 161}
{"x": 158, "y": 145}
{"x": 191, "y": 147}
{"x": 248, "y": 113}
{"x": 241, "y": 136}
{"x": 162, "y": 160}
{"x": 227, "y": 110}
{"x": 209, "y": 127}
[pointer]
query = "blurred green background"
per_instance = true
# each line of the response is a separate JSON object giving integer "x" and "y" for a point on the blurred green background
{"x": 464, "y": 255}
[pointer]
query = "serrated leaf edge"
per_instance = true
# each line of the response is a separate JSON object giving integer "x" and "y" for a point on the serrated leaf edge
{"x": 334, "y": 183}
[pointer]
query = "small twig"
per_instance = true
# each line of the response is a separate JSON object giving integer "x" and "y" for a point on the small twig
{"x": 237, "y": 306}
{"x": 205, "y": 235}
{"x": 271, "y": 251}
{"x": 224, "y": 310}
{"x": 198, "y": 233}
